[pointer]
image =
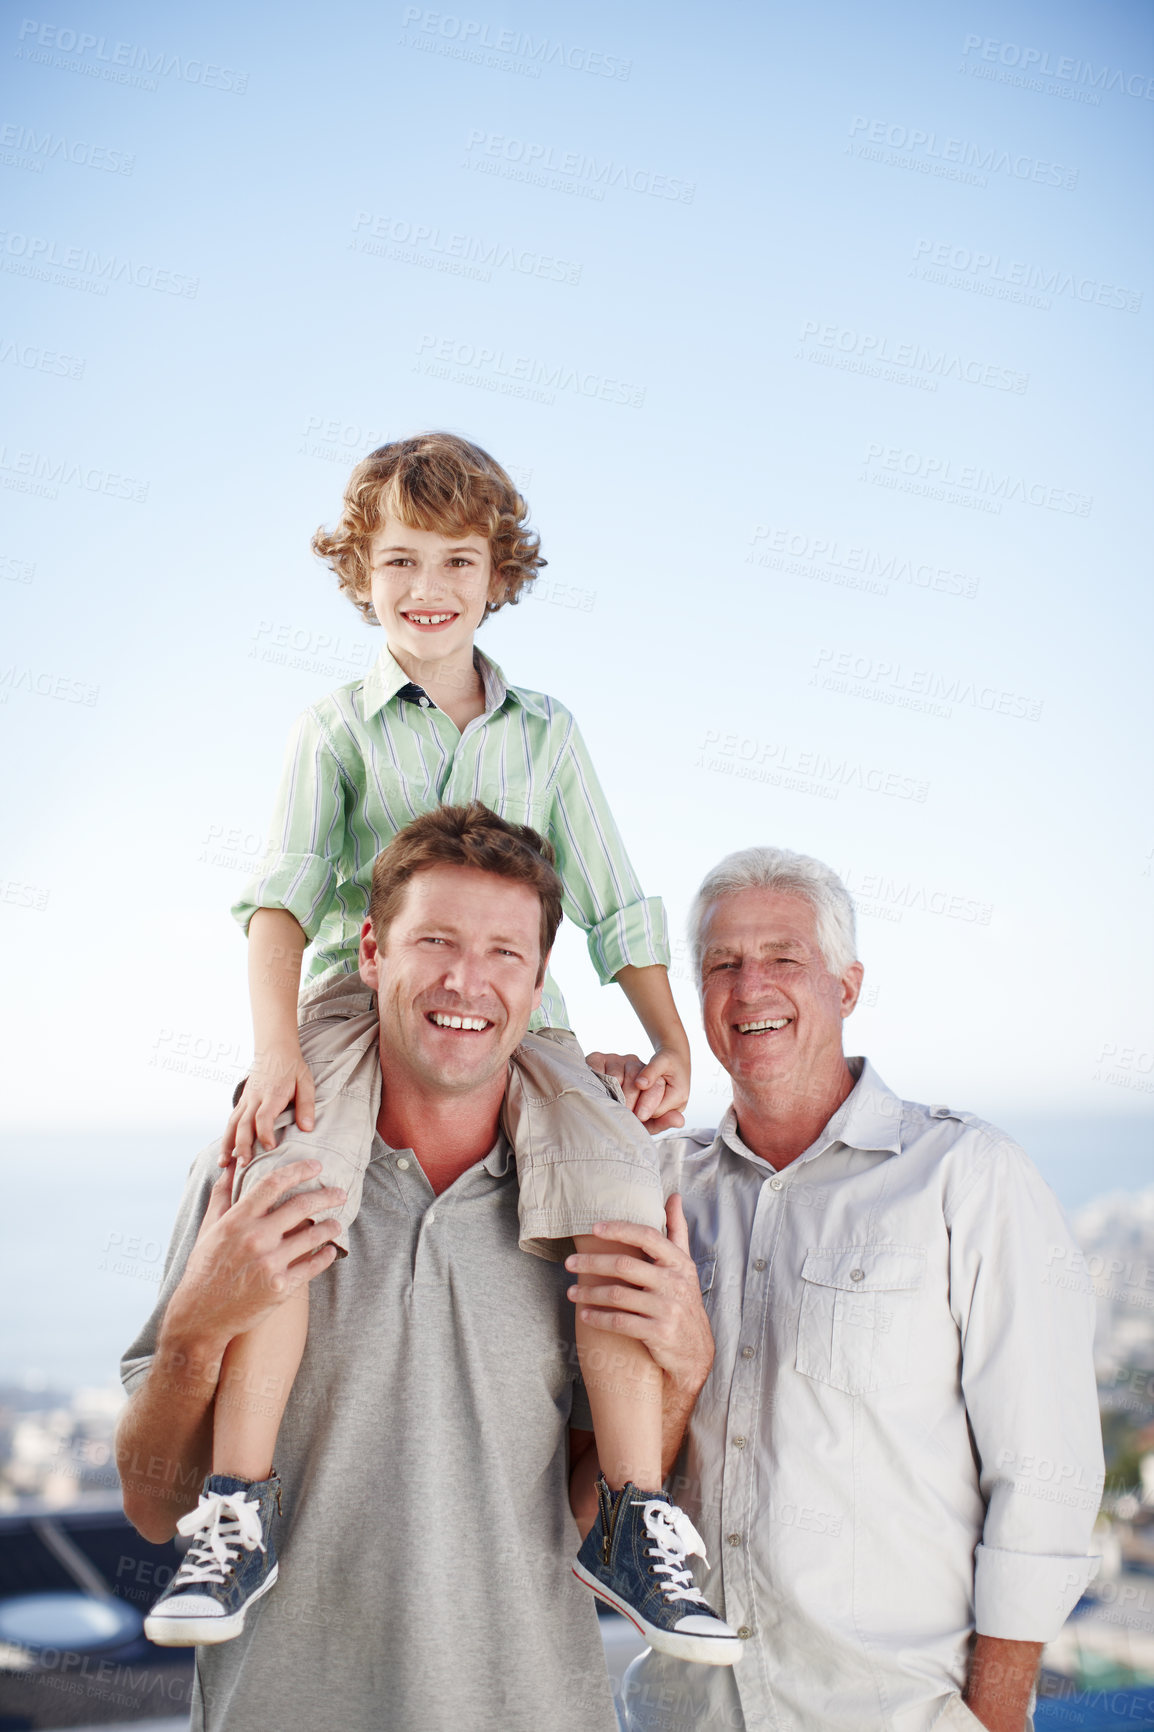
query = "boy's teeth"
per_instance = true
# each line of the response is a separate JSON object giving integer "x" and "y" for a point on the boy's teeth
{"x": 429, "y": 618}
{"x": 765, "y": 1022}
{"x": 444, "y": 1020}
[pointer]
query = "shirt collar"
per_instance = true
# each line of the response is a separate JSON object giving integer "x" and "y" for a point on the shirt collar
{"x": 870, "y": 1117}
{"x": 387, "y": 677}
{"x": 496, "y": 1162}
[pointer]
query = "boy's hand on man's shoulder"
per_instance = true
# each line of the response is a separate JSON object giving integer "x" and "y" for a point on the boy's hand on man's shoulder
{"x": 664, "y": 1083}
{"x": 279, "y": 1078}
{"x": 645, "y": 1094}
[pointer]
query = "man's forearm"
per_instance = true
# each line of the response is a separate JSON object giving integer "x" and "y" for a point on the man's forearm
{"x": 583, "y": 1473}
{"x": 677, "y": 1404}
{"x": 1002, "y": 1675}
{"x": 164, "y": 1439}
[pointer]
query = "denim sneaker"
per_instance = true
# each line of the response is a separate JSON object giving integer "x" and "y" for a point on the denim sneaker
{"x": 634, "y": 1559}
{"x": 229, "y": 1565}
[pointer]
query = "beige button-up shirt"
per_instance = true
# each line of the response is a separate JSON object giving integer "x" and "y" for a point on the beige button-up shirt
{"x": 899, "y": 1440}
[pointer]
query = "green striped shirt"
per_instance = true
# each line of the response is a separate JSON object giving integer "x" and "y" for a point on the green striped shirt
{"x": 364, "y": 762}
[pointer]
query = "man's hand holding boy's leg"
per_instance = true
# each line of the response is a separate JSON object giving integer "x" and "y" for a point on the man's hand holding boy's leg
{"x": 656, "y": 1298}
{"x": 248, "y": 1258}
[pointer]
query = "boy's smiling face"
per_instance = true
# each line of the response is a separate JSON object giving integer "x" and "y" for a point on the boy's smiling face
{"x": 429, "y": 590}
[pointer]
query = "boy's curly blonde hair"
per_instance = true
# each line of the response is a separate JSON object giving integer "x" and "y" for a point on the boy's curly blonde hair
{"x": 435, "y": 481}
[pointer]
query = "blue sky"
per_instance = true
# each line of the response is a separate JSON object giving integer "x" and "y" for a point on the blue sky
{"x": 818, "y": 340}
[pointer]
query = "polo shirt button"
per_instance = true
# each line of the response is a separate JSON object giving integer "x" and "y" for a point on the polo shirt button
{"x": 431, "y": 1216}
{"x": 733, "y": 1539}
{"x": 745, "y": 1632}
{"x": 748, "y": 1352}
{"x": 759, "y": 1264}
{"x": 402, "y": 1165}
{"x": 857, "y": 1274}
{"x": 777, "y": 1184}
{"x": 739, "y": 1443}
{"x": 424, "y": 703}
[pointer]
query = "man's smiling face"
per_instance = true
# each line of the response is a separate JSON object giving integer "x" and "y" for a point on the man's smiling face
{"x": 457, "y": 978}
{"x": 772, "y": 1008}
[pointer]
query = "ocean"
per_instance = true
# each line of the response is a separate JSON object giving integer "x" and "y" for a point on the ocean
{"x": 87, "y": 1218}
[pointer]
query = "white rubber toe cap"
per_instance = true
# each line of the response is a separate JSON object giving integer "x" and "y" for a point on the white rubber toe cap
{"x": 697, "y": 1624}
{"x": 189, "y": 1606}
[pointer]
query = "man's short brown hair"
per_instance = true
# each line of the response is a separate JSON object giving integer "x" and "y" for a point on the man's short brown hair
{"x": 469, "y": 835}
{"x": 434, "y": 481}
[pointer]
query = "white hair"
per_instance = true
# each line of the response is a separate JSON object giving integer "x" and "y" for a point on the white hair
{"x": 796, "y": 874}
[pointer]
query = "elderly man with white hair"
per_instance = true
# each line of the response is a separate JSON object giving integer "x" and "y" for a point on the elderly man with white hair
{"x": 895, "y": 1460}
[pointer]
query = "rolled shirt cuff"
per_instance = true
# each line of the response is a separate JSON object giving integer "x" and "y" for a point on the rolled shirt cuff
{"x": 1027, "y": 1596}
{"x": 301, "y": 884}
{"x": 636, "y": 937}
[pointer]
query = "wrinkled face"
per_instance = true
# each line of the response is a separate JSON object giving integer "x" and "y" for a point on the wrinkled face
{"x": 772, "y": 1009}
{"x": 456, "y": 978}
{"x": 429, "y": 590}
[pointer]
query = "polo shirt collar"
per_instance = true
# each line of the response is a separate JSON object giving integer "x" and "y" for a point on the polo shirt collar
{"x": 387, "y": 677}
{"x": 870, "y": 1117}
{"x": 496, "y": 1162}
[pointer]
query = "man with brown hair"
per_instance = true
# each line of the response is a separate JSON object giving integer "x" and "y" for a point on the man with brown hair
{"x": 433, "y": 1439}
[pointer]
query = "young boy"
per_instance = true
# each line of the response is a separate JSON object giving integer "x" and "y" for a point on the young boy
{"x": 432, "y": 540}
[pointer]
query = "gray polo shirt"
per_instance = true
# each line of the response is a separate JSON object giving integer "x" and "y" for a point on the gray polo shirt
{"x": 427, "y": 1541}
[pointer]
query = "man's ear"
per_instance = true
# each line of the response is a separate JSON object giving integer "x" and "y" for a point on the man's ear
{"x": 369, "y": 957}
{"x": 539, "y": 989}
{"x": 851, "y": 988}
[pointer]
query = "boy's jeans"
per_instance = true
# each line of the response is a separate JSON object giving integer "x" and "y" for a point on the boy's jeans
{"x": 581, "y": 1155}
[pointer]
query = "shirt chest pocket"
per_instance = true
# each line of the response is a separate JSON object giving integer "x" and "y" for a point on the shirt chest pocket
{"x": 857, "y": 1308}
{"x": 517, "y": 805}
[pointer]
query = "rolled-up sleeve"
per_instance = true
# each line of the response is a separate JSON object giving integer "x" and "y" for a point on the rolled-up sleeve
{"x": 1025, "y": 1308}
{"x": 601, "y": 891}
{"x": 306, "y": 835}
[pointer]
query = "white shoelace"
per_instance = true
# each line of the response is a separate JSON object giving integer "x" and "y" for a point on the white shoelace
{"x": 675, "y": 1539}
{"x": 222, "y": 1522}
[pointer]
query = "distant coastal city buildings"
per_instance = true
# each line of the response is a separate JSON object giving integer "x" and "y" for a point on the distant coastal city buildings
{"x": 56, "y": 1446}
